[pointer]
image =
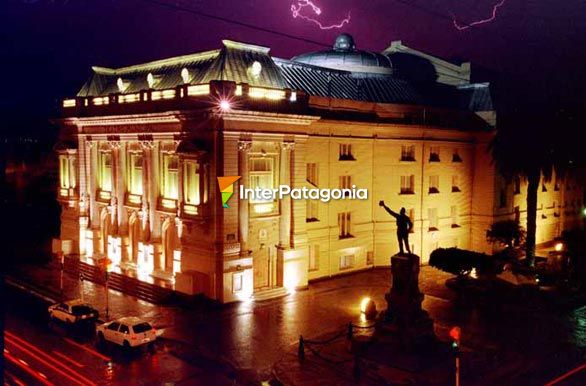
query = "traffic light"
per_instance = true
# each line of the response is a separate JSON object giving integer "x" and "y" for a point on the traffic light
{"x": 455, "y": 335}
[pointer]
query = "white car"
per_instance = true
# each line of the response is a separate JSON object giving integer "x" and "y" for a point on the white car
{"x": 127, "y": 332}
{"x": 73, "y": 311}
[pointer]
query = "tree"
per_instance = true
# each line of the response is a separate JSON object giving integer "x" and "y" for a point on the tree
{"x": 507, "y": 232}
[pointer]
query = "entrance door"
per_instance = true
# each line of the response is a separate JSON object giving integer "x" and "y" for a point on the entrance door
{"x": 260, "y": 266}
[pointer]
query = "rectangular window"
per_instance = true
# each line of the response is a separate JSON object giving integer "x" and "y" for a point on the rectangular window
{"x": 237, "y": 282}
{"x": 346, "y": 262}
{"x": 455, "y": 183}
{"x": 407, "y": 153}
{"x": 67, "y": 175}
{"x": 454, "y": 215}
{"x": 407, "y": 184}
{"x": 105, "y": 173}
{"x": 517, "y": 185}
{"x": 432, "y": 214}
{"x": 135, "y": 173}
{"x": 170, "y": 176}
{"x": 434, "y": 154}
{"x": 262, "y": 175}
{"x": 312, "y": 174}
{"x": 503, "y": 198}
{"x": 346, "y": 152}
{"x": 191, "y": 182}
{"x": 344, "y": 224}
{"x": 456, "y": 156}
{"x": 433, "y": 184}
{"x": 312, "y": 211}
{"x": 346, "y": 183}
{"x": 314, "y": 257}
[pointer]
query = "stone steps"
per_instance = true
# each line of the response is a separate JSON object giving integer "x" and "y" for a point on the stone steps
{"x": 129, "y": 285}
{"x": 268, "y": 294}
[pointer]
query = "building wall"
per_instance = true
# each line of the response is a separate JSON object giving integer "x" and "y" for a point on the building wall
{"x": 233, "y": 253}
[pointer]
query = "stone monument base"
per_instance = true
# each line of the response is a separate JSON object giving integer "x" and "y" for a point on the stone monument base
{"x": 404, "y": 336}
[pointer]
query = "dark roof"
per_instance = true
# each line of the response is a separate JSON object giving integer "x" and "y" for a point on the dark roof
{"x": 344, "y": 85}
{"x": 235, "y": 62}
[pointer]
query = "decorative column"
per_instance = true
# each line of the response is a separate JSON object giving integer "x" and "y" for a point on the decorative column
{"x": 243, "y": 149}
{"x": 154, "y": 219}
{"x": 114, "y": 199}
{"x": 92, "y": 184}
{"x": 285, "y": 202}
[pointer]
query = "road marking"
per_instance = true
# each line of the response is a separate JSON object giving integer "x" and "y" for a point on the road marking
{"x": 27, "y": 369}
{"x": 67, "y": 358}
{"x": 104, "y": 357}
{"x": 566, "y": 375}
{"x": 14, "y": 379}
{"x": 15, "y": 340}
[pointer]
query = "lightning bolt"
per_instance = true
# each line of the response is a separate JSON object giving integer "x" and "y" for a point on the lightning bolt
{"x": 462, "y": 27}
{"x": 299, "y": 5}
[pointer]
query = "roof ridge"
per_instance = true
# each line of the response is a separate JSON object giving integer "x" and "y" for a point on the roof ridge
{"x": 155, "y": 63}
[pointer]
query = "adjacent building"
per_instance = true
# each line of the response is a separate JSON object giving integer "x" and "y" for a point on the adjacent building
{"x": 142, "y": 146}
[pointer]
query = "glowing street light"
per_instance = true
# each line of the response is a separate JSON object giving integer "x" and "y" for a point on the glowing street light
{"x": 559, "y": 246}
{"x": 368, "y": 308}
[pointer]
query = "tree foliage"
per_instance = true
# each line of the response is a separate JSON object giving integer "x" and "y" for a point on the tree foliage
{"x": 507, "y": 232}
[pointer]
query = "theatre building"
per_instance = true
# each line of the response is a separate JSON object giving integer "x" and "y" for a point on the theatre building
{"x": 141, "y": 148}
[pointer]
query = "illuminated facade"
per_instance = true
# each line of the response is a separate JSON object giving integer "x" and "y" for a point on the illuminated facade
{"x": 142, "y": 147}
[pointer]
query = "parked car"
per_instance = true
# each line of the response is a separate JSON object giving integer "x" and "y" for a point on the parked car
{"x": 73, "y": 311}
{"x": 127, "y": 332}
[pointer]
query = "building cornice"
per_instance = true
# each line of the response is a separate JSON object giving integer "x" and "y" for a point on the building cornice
{"x": 117, "y": 120}
{"x": 258, "y": 116}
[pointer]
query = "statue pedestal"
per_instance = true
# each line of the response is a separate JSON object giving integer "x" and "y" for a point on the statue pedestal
{"x": 404, "y": 336}
{"x": 404, "y": 316}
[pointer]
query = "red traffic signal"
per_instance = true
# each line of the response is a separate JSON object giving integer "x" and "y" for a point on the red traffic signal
{"x": 455, "y": 333}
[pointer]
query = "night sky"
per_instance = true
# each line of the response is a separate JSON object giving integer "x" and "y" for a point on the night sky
{"x": 48, "y": 46}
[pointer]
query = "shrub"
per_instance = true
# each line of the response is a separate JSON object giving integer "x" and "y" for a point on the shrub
{"x": 460, "y": 262}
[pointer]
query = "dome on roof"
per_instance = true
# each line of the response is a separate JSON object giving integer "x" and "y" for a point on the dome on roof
{"x": 345, "y": 56}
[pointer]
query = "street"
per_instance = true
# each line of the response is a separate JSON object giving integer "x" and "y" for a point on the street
{"x": 240, "y": 343}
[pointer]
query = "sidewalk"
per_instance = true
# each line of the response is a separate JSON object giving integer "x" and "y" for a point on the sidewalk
{"x": 44, "y": 281}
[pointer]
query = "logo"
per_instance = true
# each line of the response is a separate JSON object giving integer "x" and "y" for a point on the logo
{"x": 226, "y": 185}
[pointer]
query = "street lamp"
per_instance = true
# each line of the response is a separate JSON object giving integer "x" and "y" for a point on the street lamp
{"x": 368, "y": 308}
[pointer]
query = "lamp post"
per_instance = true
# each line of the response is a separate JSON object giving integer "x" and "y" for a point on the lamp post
{"x": 62, "y": 262}
{"x": 81, "y": 285}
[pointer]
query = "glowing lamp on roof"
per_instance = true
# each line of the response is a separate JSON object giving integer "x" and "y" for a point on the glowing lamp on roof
{"x": 185, "y": 75}
{"x": 256, "y": 69}
{"x": 150, "y": 80}
{"x": 122, "y": 85}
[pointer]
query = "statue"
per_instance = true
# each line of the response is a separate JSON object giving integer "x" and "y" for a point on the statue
{"x": 404, "y": 226}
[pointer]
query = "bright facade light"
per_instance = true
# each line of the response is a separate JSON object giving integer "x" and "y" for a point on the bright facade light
{"x": 293, "y": 97}
{"x": 150, "y": 80}
{"x": 225, "y": 105}
{"x": 558, "y": 247}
